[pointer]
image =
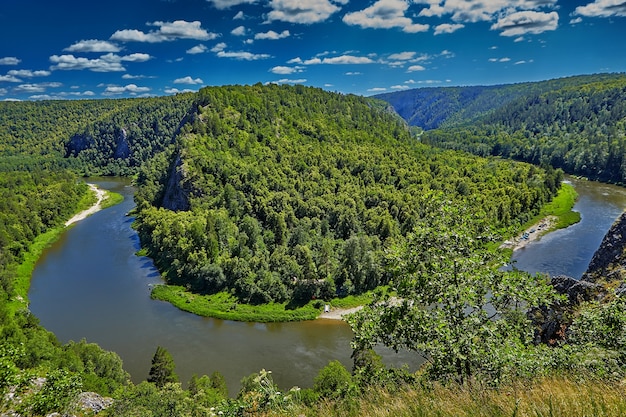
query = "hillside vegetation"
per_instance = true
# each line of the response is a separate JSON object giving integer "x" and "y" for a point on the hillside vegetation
{"x": 577, "y": 124}
{"x": 289, "y": 196}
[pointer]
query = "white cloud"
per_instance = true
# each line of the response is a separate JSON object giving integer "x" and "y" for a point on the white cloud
{"x": 29, "y": 73}
{"x": 167, "y": 31}
{"x": 353, "y": 73}
{"x": 414, "y": 68}
{"x": 36, "y": 88}
{"x": 271, "y": 35}
{"x": 282, "y": 70}
{"x": 10, "y": 60}
{"x": 400, "y": 87}
{"x": 402, "y": 56}
{"x": 188, "y": 80}
{"x": 521, "y": 23}
{"x": 134, "y": 77}
{"x": 239, "y": 16}
{"x": 288, "y": 81}
{"x": 242, "y": 55}
{"x": 10, "y": 79}
{"x": 106, "y": 63}
{"x": 302, "y": 11}
{"x": 530, "y": 61}
{"x": 448, "y": 28}
{"x": 296, "y": 60}
{"x": 337, "y": 60}
{"x": 130, "y": 88}
{"x": 239, "y": 31}
{"x": 177, "y": 91}
{"x": 376, "y": 89}
{"x": 93, "y": 45}
{"x": 385, "y": 14}
{"x": 575, "y": 21}
{"x": 198, "y": 49}
{"x": 219, "y": 47}
{"x": 480, "y": 10}
{"x": 602, "y": 8}
{"x": 227, "y": 4}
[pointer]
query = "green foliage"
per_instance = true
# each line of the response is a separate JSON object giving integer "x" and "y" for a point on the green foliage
{"x": 575, "y": 124}
{"x": 454, "y": 306}
{"x": 279, "y": 194}
{"x": 162, "y": 369}
{"x": 332, "y": 381}
{"x": 59, "y": 389}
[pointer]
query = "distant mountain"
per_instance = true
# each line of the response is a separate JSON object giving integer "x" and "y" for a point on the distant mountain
{"x": 434, "y": 107}
{"x": 576, "y": 123}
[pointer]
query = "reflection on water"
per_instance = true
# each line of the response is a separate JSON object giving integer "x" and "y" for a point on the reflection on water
{"x": 568, "y": 251}
{"x": 90, "y": 284}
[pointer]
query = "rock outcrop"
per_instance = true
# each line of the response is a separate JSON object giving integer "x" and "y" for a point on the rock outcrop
{"x": 176, "y": 196}
{"x": 609, "y": 262}
{"x": 122, "y": 148}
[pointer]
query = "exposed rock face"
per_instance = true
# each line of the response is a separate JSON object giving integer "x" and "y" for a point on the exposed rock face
{"x": 77, "y": 144}
{"x": 176, "y": 196}
{"x": 609, "y": 261}
{"x": 91, "y": 401}
{"x": 122, "y": 150}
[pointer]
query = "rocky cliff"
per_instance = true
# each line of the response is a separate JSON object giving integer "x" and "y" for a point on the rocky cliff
{"x": 609, "y": 262}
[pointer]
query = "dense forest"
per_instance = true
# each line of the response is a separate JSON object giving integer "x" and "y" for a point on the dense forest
{"x": 577, "y": 124}
{"x": 287, "y": 195}
{"x": 293, "y": 194}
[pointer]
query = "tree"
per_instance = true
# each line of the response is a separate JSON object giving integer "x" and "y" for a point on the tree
{"x": 162, "y": 370}
{"x": 454, "y": 306}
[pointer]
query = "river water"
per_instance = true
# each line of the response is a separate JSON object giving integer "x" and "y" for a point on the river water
{"x": 568, "y": 251}
{"x": 90, "y": 284}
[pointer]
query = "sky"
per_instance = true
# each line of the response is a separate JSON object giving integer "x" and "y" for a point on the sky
{"x": 90, "y": 49}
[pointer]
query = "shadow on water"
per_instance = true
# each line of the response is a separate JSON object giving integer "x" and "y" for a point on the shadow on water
{"x": 90, "y": 284}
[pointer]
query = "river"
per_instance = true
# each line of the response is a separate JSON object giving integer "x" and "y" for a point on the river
{"x": 90, "y": 284}
{"x": 568, "y": 251}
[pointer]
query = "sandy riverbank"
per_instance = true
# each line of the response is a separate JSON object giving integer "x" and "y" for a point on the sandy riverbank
{"x": 339, "y": 313}
{"x": 531, "y": 234}
{"x": 91, "y": 210}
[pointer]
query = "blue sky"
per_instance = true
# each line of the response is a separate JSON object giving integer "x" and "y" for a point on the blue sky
{"x": 67, "y": 49}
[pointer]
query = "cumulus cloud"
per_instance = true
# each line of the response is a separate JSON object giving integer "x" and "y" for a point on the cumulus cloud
{"x": 448, "y": 28}
{"x": 177, "y": 91}
{"x": 93, "y": 45}
{"x": 239, "y": 16}
{"x": 130, "y": 88}
{"x": 10, "y": 79}
{"x": 283, "y": 70}
{"x": 271, "y": 35}
{"x": 242, "y": 55}
{"x": 288, "y": 81}
{"x": 480, "y": 10}
{"x": 602, "y": 8}
{"x": 414, "y": 68}
{"x": 227, "y": 4}
{"x": 400, "y": 87}
{"x": 385, "y": 14}
{"x": 521, "y": 23}
{"x": 302, "y": 11}
{"x": 376, "y": 89}
{"x": 10, "y": 60}
{"x": 402, "y": 56}
{"x": 28, "y": 73}
{"x": 198, "y": 49}
{"x": 239, "y": 31}
{"x": 338, "y": 60}
{"x": 188, "y": 80}
{"x": 36, "y": 88}
{"x": 219, "y": 47}
{"x": 106, "y": 63}
{"x": 167, "y": 31}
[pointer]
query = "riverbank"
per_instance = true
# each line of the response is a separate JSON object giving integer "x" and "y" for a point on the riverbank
{"x": 531, "y": 234}
{"x": 100, "y": 195}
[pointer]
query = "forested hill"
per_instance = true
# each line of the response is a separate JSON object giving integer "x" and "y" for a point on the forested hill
{"x": 577, "y": 124}
{"x": 284, "y": 194}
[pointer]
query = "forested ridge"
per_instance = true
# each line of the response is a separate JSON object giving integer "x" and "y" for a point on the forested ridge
{"x": 576, "y": 124}
{"x": 288, "y": 195}
{"x": 294, "y": 194}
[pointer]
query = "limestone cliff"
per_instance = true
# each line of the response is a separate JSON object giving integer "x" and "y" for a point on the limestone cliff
{"x": 609, "y": 261}
{"x": 176, "y": 194}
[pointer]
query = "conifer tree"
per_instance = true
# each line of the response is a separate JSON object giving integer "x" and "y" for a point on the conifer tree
{"x": 162, "y": 370}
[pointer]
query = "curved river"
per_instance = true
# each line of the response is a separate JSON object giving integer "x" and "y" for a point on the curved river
{"x": 90, "y": 284}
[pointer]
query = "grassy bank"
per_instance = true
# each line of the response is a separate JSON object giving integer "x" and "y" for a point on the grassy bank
{"x": 226, "y": 307}
{"x": 561, "y": 207}
{"x": 24, "y": 271}
{"x": 552, "y": 396}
